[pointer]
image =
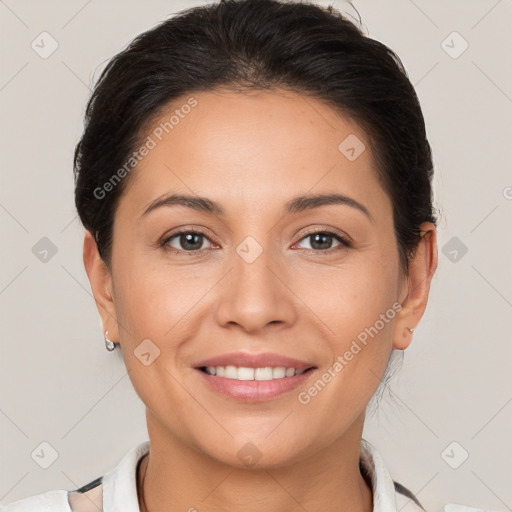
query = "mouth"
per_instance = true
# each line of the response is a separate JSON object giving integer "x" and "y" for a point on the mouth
{"x": 244, "y": 373}
{"x": 251, "y": 377}
{"x": 254, "y": 385}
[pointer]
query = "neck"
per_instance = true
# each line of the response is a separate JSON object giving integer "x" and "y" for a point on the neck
{"x": 175, "y": 477}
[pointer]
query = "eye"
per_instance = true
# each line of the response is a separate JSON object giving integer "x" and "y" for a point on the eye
{"x": 192, "y": 242}
{"x": 188, "y": 241}
{"x": 321, "y": 241}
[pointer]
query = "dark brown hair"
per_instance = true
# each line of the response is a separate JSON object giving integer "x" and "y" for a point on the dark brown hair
{"x": 246, "y": 45}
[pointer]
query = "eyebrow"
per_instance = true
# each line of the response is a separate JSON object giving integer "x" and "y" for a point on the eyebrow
{"x": 295, "y": 205}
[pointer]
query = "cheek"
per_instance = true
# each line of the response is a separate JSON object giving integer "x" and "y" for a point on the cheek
{"x": 357, "y": 305}
{"x": 352, "y": 296}
{"x": 153, "y": 310}
{"x": 357, "y": 314}
{"x": 370, "y": 289}
{"x": 151, "y": 298}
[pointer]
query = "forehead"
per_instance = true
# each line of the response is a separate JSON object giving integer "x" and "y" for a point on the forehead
{"x": 253, "y": 148}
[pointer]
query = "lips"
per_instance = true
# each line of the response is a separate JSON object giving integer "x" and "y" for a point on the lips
{"x": 247, "y": 360}
{"x": 260, "y": 389}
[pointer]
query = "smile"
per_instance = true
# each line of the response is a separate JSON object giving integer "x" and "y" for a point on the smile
{"x": 253, "y": 385}
{"x": 245, "y": 373}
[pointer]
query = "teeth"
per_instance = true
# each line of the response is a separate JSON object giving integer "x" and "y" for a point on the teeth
{"x": 263, "y": 373}
{"x": 211, "y": 370}
{"x": 279, "y": 372}
{"x": 231, "y": 372}
{"x": 244, "y": 373}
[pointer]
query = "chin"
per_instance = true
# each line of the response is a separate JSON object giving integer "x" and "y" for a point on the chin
{"x": 258, "y": 453}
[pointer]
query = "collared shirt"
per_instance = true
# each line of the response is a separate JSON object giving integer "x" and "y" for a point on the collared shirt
{"x": 116, "y": 491}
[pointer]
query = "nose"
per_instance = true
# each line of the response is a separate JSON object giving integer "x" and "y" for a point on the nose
{"x": 256, "y": 291}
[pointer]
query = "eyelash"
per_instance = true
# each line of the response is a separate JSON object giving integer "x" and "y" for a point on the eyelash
{"x": 344, "y": 243}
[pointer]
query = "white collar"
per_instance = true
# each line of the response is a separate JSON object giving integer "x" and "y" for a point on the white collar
{"x": 384, "y": 494}
{"x": 120, "y": 485}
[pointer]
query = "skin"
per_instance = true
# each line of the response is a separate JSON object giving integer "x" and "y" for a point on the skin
{"x": 252, "y": 153}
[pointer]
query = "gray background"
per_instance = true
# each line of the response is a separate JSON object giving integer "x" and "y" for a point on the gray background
{"x": 59, "y": 385}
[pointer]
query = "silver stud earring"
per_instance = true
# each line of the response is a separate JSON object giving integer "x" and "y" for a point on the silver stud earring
{"x": 109, "y": 345}
{"x": 410, "y": 329}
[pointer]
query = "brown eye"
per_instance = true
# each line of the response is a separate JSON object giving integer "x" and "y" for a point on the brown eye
{"x": 321, "y": 241}
{"x": 186, "y": 241}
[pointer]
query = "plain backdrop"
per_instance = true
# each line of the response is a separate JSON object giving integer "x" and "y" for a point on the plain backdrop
{"x": 443, "y": 428}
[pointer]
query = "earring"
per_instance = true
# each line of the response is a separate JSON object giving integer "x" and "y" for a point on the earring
{"x": 410, "y": 329}
{"x": 109, "y": 345}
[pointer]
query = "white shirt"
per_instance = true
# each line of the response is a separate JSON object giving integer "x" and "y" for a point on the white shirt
{"x": 116, "y": 491}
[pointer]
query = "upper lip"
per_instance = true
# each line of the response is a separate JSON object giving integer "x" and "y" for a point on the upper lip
{"x": 247, "y": 360}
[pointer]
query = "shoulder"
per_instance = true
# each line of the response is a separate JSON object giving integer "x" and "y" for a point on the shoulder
{"x": 86, "y": 499}
{"x": 405, "y": 497}
{"x": 389, "y": 495}
{"x": 452, "y": 507}
{"x": 118, "y": 487}
{"x": 50, "y": 501}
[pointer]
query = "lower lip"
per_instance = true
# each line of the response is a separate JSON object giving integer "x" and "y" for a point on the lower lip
{"x": 254, "y": 390}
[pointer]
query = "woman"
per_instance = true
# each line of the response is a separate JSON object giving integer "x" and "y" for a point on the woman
{"x": 255, "y": 182}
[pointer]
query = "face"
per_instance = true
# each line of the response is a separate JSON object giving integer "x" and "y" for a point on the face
{"x": 264, "y": 280}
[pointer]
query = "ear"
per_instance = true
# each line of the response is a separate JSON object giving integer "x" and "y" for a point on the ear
{"x": 101, "y": 284}
{"x": 416, "y": 286}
